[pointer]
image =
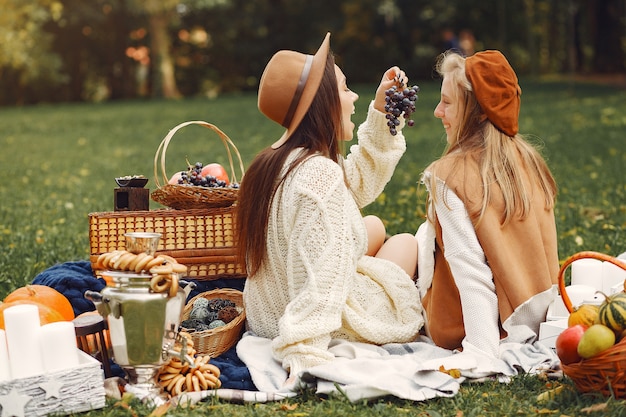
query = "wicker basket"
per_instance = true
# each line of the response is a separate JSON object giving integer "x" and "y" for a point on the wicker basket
{"x": 216, "y": 341}
{"x": 191, "y": 197}
{"x": 605, "y": 372}
{"x": 203, "y": 240}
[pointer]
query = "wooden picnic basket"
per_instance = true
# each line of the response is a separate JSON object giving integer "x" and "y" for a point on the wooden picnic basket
{"x": 605, "y": 372}
{"x": 179, "y": 196}
{"x": 216, "y": 341}
{"x": 203, "y": 240}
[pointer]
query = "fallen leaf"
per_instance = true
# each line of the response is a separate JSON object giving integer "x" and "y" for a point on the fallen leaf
{"x": 454, "y": 373}
{"x": 288, "y": 407}
{"x": 161, "y": 410}
{"x": 550, "y": 394}
{"x": 594, "y": 408}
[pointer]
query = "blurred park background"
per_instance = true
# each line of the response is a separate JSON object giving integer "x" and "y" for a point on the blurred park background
{"x": 98, "y": 50}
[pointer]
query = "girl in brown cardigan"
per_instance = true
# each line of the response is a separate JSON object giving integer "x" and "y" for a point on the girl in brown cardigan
{"x": 488, "y": 261}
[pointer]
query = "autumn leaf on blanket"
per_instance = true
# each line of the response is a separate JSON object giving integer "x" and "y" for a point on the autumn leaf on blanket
{"x": 454, "y": 373}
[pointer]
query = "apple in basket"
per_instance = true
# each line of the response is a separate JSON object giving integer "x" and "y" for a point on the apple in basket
{"x": 175, "y": 178}
{"x": 215, "y": 170}
{"x": 567, "y": 343}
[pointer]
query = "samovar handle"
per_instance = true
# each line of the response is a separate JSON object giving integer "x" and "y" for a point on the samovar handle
{"x": 100, "y": 301}
{"x": 187, "y": 286}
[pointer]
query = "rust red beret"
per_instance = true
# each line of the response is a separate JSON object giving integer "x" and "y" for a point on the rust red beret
{"x": 496, "y": 89}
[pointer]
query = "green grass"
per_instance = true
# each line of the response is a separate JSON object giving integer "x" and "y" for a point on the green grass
{"x": 58, "y": 163}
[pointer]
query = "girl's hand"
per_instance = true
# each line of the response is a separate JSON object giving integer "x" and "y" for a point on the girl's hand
{"x": 393, "y": 76}
{"x": 290, "y": 382}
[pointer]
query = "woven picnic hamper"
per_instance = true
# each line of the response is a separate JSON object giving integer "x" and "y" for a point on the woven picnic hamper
{"x": 216, "y": 341}
{"x": 179, "y": 196}
{"x": 203, "y": 240}
{"x": 605, "y": 372}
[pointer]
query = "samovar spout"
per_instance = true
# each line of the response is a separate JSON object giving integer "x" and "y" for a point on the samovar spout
{"x": 182, "y": 355}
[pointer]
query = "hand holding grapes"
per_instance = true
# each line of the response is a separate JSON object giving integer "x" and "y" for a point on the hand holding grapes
{"x": 399, "y": 99}
{"x": 393, "y": 76}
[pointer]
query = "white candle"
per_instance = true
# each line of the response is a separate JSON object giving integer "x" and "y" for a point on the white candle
{"x": 5, "y": 367}
{"x": 58, "y": 346}
{"x": 587, "y": 272}
{"x": 611, "y": 275}
{"x": 21, "y": 323}
{"x": 579, "y": 293}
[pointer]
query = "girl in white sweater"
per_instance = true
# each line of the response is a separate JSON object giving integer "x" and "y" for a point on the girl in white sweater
{"x": 300, "y": 229}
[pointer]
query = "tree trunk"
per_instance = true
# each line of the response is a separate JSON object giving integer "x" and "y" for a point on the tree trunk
{"x": 531, "y": 39}
{"x": 608, "y": 52}
{"x": 118, "y": 64}
{"x": 163, "y": 78}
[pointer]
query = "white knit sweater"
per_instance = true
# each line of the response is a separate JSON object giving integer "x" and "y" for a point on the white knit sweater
{"x": 316, "y": 283}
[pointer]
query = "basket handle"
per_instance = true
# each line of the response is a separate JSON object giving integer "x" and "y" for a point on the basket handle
{"x": 162, "y": 150}
{"x": 575, "y": 257}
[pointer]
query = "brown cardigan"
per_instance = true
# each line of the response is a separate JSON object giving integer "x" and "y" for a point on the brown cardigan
{"x": 522, "y": 254}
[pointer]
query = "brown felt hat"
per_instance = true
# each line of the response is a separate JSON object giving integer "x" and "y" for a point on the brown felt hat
{"x": 496, "y": 89}
{"x": 289, "y": 84}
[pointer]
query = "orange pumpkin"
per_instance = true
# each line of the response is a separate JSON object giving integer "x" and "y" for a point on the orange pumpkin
{"x": 45, "y": 295}
{"x": 46, "y": 314}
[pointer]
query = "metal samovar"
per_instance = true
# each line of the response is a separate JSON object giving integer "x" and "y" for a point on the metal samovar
{"x": 143, "y": 327}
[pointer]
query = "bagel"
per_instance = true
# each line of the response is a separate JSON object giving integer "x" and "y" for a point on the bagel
{"x": 100, "y": 261}
{"x": 179, "y": 268}
{"x": 165, "y": 269}
{"x": 204, "y": 384}
{"x": 168, "y": 258}
{"x": 141, "y": 265}
{"x": 154, "y": 262}
{"x": 173, "y": 285}
{"x": 135, "y": 261}
{"x": 108, "y": 259}
{"x": 159, "y": 283}
{"x": 123, "y": 261}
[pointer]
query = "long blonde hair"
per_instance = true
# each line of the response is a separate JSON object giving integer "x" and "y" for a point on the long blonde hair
{"x": 495, "y": 151}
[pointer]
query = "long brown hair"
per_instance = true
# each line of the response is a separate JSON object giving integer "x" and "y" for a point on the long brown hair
{"x": 494, "y": 150}
{"x": 318, "y": 133}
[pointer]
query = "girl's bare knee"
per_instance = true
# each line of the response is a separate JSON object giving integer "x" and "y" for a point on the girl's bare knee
{"x": 375, "y": 234}
{"x": 402, "y": 250}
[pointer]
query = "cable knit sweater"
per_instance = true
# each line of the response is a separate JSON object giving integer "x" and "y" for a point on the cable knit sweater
{"x": 317, "y": 283}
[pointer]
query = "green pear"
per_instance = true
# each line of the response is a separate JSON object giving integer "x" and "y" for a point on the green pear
{"x": 596, "y": 339}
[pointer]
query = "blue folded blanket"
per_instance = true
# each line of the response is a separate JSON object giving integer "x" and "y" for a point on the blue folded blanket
{"x": 72, "y": 279}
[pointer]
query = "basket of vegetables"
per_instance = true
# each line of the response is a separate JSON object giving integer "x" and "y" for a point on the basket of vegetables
{"x": 597, "y": 338}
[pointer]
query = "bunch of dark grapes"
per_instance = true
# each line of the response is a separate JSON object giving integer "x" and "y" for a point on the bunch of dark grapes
{"x": 400, "y": 101}
{"x": 193, "y": 176}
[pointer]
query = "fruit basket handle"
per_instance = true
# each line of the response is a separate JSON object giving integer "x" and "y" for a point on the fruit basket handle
{"x": 162, "y": 150}
{"x": 575, "y": 257}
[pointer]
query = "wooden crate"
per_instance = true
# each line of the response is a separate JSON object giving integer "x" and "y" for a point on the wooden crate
{"x": 201, "y": 239}
{"x": 62, "y": 392}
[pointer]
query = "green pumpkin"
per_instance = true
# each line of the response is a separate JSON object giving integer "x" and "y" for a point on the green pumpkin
{"x": 612, "y": 312}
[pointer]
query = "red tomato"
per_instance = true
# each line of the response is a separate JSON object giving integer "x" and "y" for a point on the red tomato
{"x": 567, "y": 343}
{"x": 215, "y": 170}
